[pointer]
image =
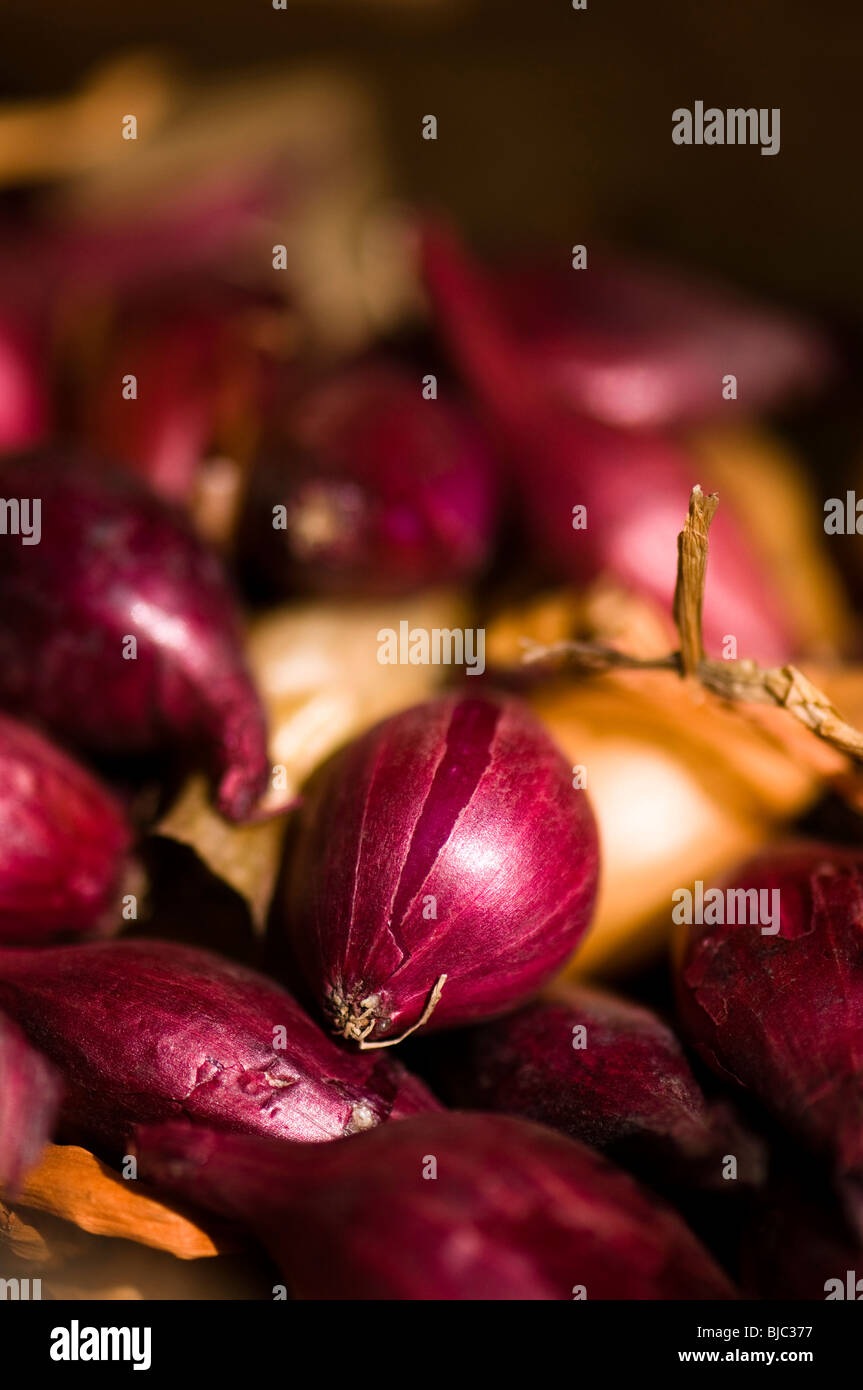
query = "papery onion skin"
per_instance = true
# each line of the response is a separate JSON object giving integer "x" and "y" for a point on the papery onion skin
{"x": 633, "y": 483}
{"x": 144, "y": 1031}
{"x": 384, "y": 492}
{"x": 514, "y": 1212}
{"x": 463, "y": 808}
{"x": 639, "y": 345}
{"x": 116, "y": 562}
{"x": 782, "y": 1014}
{"x": 64, "y": 842}
{"x": 603, "y": 1070}
{"x": 30, "y": 1092}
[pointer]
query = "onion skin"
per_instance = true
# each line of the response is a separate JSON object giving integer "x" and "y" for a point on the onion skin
{"x": 384, "y": 492}
{"x": 64, "y": 841}
{"x": 633, "y": 483}
{"x": 144, "y": 1031}
{"x": 115, "y": 561}
{"x": 628, "y": 1091}
{"x": 782, "y": 1014}
{"x": 197, "y": 375}
{"x": 515, "y": 1212}
{"x": 462, "y": 804}
{"x": 163, "y": 434}
{"x": 29, "y": 1097}
{"x": 24, "y": 408}
{"x": 670, "y": 807}
{"x": 638, "y": 345}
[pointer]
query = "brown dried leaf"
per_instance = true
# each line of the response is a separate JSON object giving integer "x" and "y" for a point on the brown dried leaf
{"x": 72, "y": 1184}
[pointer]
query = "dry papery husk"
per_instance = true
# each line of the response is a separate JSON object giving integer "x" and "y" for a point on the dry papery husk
{"x": 87, "y": 1234}
{"x": 71, "y": 1184}
{"x": 683, "y": 787}
{"x": 315, "y": 665}
{"x": 766, "y": 486}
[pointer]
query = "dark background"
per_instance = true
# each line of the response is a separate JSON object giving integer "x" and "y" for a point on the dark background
{"x": 554, "y": 124}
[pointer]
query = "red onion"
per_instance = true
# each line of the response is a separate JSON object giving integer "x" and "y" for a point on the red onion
{"x": 607, "y": 1072}
{"x": 633, "y": 484}
{"x": 195, "y": 376}
{"x": 144, "y": 1031}
{"x": 782, "y": 1014}
{"x": 29, "y": 1096}
{"x": 204, "y": 229}
{"x": 441, "y": 1207}
{"x": 638, "y": 345}
{"x": 382, "y": 490}
{"x": 446, "y": 841}
{"x": 63, "y": 843}
{"x": 24, "y": 409}
{"x": 115, "y": 563}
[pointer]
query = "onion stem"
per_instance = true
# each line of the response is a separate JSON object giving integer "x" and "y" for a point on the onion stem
{"x": 734, "y": 681}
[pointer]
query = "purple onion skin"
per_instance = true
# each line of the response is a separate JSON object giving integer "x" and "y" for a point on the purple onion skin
{"x": 638, "y": 345}
{"x": 384, "y": 492}
{"x": 627, "y": 1091}
{"x": 462, "y": 806}
{"x": 782, "y": 1015}
{"x": 113, "y": 562}
{"x": 30, "y": 1093}
{"x": 64, "y": 842}
{"x": 515, "y": 1212}
{"x": 145, "y": 1031}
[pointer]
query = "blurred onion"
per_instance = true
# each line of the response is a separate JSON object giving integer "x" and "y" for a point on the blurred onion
{"x": 381, "y": 491}
{"x": 682, "y": 786}
{"x": 637, "y": 344}
{"x": 631, "y": 484}
{"x": 24, "y": 406}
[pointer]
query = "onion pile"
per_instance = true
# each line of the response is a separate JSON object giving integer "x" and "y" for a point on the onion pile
{"x": 246, "y": 854}
{"x": 625, "y": 481}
